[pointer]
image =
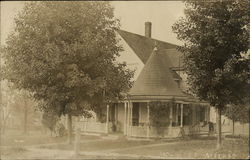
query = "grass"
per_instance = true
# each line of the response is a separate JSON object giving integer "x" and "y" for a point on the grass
{"x": 13, "y": 152}
{"x": 102, "y": 145}
{"x": 21, "y": 140}
{"x": 17, "y": 138}
{"x": 204, "y": 147}
{"x": 197, "y": 149}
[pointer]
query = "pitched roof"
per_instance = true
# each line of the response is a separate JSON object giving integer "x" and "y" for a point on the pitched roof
{"x": 156, "y": 78}
{"x": 143, "y": 47}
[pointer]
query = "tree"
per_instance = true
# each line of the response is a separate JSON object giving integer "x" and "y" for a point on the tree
{"x": 238, "y": 113}
{"x": 6, "y": 103}
{"x": 14, "y": 103}
{"x": 216, "y": 41}
{"x": 64, "y": 54}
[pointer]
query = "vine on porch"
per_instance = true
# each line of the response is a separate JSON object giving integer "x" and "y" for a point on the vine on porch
{"x": 159, "y": 115}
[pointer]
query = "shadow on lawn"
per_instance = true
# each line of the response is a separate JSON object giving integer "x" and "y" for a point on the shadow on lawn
{"x": 13, "y": 151}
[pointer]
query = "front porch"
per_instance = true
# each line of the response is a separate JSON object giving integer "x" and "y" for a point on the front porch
{"x": 132, "y": 119}
{"x": 181, "y": 119}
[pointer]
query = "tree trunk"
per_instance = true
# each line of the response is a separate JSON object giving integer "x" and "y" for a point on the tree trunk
{"x": 233, "y": 126}
{"x": 25, "y": 118}
{"x": 2, "y": 123}
{"x": 3, "y": 127}
{"x": 70, "y": 137}
{"x": 243, "y": 129}
{"x": 218, "y": 124}
{"x": 77, "y": 141}
{"x": 1, "y": 116}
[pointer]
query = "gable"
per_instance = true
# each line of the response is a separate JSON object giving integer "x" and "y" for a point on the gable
{"x": 156, "y": 78}
{"x": 130, "y": 58}
{"x": 143, "y": 46}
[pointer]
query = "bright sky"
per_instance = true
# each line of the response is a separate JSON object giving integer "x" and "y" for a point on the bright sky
{"x": 132, "y": 14}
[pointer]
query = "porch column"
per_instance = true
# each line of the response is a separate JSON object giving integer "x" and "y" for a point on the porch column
{"x": 193, "y": 115}
{"x": 148, "y": 120}
{"x": 177, "y": 114}
{"x": 107, "y": 120}
{"x": 125, "y": 118}
{"x": 131, "y": 117}
{"x": 128, "y": 119}
{"x": 171, "y": 120}
{"x": 181, "y": 115}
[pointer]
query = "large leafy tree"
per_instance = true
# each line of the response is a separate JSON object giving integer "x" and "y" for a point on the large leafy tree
{"x": 216, "y": 41}
{"x": 238, "y": 113}
{"x": 64, "y": 54}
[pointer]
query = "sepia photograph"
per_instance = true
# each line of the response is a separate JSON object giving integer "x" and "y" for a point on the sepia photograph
{"x": 125, "y": 79}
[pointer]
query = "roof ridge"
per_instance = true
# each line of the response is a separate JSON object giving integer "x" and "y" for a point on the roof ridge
{"x": 148, "y": 37}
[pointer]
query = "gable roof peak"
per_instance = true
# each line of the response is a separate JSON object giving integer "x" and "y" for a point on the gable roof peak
{"x": 143, "y": 46}
{"x": 156, "y": 78}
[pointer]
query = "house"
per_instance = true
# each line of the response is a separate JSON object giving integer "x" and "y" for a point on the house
{"x": 159, "y": 80}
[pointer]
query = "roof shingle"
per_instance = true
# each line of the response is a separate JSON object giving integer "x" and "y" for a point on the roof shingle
{"x": 156, "y": 78}
{"x": 143, "y": 47}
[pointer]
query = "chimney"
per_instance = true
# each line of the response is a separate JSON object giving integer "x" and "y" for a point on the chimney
{"x": 148, "y": 26}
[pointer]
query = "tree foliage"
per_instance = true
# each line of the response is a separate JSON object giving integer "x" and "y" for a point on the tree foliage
{"x": 159, "y": 115}
{"x": 216, "y": 40}
{"x": 239, "y": 113}
{"x": 64, "y": 54}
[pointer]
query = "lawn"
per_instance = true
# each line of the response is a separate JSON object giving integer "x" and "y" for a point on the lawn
{"x": 237, "y": 149}
{"x": 191, "y": 148}
{"x": 34, "y": 138}
{"x": 103, "y": 145}
{"x": 37, "y": 145}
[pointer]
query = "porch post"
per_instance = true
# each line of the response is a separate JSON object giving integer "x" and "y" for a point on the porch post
{"x": 193, "y": 115}
{"x": 125, "y": 118}
{"x": 128, "y": 119}
{"x": 181, "y": 115}
{"x": 148, "y": 120}
{"x": 177, "y": 113}
{"x": 131, "y": 117}
{"x": 107, "y": 120}
{"x": 171, "y": 119}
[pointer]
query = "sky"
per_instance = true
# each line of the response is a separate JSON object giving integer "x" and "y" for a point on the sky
{"x": 132, "y": 14}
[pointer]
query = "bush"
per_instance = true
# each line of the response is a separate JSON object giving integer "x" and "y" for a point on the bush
{"x": 50, "y": 120}
{"x": 61, "y": 130}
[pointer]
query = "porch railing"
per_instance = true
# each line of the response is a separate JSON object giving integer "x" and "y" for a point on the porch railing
{"x": 165, "y": 132}
{"x": 96, "y": 127}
